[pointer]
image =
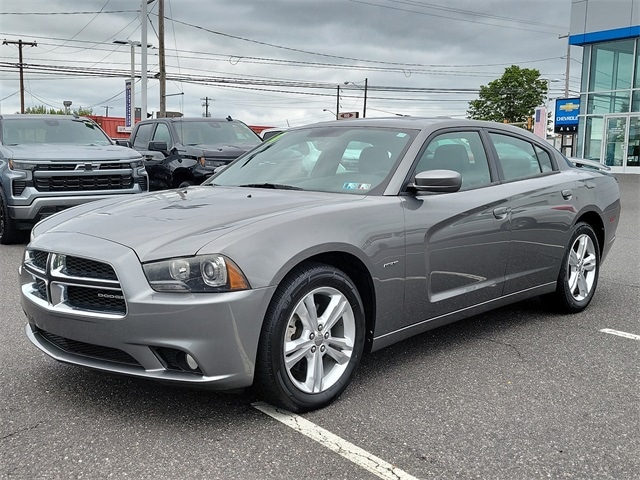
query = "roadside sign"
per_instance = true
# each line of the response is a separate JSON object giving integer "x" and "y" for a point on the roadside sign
{"x": 345, "y": 115}
{"x": 566, "y": 115}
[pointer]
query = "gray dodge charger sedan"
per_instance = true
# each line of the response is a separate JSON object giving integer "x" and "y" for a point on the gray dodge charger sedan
{"x": 326, "y": 242}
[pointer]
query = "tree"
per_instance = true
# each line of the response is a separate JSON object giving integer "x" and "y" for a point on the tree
{"x": 511, "y": 98}
{"x": 41, "y": 109}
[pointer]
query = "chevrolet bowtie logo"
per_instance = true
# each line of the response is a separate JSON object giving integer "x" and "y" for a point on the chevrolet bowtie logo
{"x": 569, "y": 107}
{"x": 88, "y": 166}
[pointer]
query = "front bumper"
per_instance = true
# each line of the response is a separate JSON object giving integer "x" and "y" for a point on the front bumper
{"x": 219, "y": 331}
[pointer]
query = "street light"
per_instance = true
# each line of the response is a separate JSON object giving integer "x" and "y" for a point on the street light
{"x": 132, "y": 95}
{"x": 364, "y": 108}
{"x": 327, "y": 110}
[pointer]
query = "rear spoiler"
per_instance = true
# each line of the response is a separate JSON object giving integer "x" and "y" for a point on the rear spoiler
{"x": 584, "y": 163}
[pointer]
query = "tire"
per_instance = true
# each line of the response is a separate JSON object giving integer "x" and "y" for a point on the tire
{"x": 9, "y": 234}
{"x": 579, "y": 272}
{"x": 185, "y": 184}
{"x": 304, "y": 362}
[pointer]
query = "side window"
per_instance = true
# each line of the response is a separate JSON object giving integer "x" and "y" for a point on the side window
{"x": 143, "y": 136}
{"x": 162, "y": 134}
{"x": 519, "y": 158}
{"x": 461, "y": 152}
{"x": 544, "y": 160}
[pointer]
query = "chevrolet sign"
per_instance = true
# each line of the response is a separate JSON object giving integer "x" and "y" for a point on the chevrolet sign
{"x": 566, "y": 115}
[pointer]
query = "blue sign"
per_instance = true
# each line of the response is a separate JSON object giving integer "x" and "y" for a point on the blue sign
{"x": 566, "y": 115}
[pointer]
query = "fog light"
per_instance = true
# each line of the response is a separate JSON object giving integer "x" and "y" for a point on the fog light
{"x": 191, "y": 362}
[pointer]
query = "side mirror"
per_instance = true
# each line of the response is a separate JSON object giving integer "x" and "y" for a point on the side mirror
{"x": 158, "y": 146}
{"x": 122, "y": 142}
{"x": 437, "y": 181}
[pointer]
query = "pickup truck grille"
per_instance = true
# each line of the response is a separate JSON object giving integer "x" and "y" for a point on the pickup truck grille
{"x": 74, "y": 284}
{"x": 83, "y": 183}
{"x": 83, "y": 176}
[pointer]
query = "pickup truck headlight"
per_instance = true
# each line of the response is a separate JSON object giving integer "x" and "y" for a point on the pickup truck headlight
{"x": 13, "y": 165}
{"x": 199, "y": 274}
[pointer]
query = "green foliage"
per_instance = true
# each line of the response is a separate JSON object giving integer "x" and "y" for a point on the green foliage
{"x": 512, "y": 97}
{"x": 41, "y": 109}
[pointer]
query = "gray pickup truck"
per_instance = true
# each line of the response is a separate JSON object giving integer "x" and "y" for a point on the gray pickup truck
{"x": 52, "y": 162}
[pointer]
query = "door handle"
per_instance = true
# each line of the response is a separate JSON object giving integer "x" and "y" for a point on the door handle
{"x": 501, "y": 212}
{"x": 567, "y": 194}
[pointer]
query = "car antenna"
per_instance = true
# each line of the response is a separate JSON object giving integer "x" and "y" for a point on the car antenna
{"x": 229, "y": 118}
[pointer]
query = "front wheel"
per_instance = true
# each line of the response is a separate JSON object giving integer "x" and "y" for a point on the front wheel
{"x": 579, "y": 272}
{"x": 312, "y": 339}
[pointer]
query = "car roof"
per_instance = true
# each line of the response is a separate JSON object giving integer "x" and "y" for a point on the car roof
{"x": 189, "y": 119}
{"x": 422, "y": 123}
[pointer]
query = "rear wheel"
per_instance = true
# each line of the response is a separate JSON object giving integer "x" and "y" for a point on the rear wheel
{"x": 312, "y": 339}
{"x": 580, "y": 269}
{"x": 8, "y": 232}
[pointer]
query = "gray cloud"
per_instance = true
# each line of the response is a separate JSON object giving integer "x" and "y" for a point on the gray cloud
{"x": 395, "y": 43}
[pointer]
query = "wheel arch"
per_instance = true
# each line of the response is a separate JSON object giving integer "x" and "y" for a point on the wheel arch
{"x": 359, "y": 274}
{"x": 594, "y": 220}
{"x": 179, "y": 175}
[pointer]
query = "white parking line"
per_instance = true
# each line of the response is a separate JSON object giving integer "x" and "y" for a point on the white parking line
{"x": 621, "y": 334}
{"x": 348, "y": 450}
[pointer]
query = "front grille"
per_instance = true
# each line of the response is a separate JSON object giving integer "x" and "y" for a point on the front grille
{"x": 75, "y": 283}
{"x": 83, "y": 267}
{"x": 96, "y": 300}
{"x": 39, "y": 259}
{"x": 83, "y": 183}
{"x": 58, "y": 167}
{"x": 89, "y": 350}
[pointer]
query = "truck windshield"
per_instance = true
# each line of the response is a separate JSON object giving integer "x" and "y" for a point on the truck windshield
{"x": 66, "y": 130}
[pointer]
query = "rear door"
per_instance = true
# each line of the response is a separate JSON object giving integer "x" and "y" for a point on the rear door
{"x": 541, "y": 209}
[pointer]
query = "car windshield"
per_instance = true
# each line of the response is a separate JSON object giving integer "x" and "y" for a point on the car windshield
{"x": 211, "y": 132}
{"x": 352, "y": 160}
{"x": 66, "y": 130}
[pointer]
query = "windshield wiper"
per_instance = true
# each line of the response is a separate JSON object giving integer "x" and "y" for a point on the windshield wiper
{"x": 275, "y": 186}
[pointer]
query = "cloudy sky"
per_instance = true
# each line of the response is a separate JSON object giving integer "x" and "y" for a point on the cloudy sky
{"x": 280, "y": 62}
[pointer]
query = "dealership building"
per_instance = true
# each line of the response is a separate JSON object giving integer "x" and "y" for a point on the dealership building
{"x": 609, "y": 118}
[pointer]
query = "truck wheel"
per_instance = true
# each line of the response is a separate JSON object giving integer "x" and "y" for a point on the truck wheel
{"x": 8, "y": 232}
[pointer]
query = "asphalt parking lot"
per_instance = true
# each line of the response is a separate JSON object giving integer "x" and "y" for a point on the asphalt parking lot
{"x": 518, "y": 393}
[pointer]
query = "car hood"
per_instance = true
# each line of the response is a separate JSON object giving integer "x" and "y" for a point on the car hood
{"x": 55, "y": 152}
{"x": 180, "y": 222}
{"x": 227, "y": 151}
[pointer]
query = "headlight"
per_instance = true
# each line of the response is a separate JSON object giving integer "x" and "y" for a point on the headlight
{"x": 137, "y": 163}
{"x": 13, "y": 165}
{"x": 201, "y": 274}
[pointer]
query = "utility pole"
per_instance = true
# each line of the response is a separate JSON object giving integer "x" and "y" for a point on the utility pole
{"x": 364, "y": 108}
{"x": 106, "y": 110}
{"x": 338, "y": 103}
{"x": 567, "y": 67}
{"x": 163, "y": 71}
{"x": 20, "y": 44}
{"x": 206, "y": 106}
{"x": 143, "y": 63}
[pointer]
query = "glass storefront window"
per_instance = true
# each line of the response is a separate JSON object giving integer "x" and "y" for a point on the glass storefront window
{"x": 611, "y": 65}
{"x": 633, "y": 146}
{"x": 594, "y": 127}
{"x": 635, "y": 103}
{"x": 614, "y": 102}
